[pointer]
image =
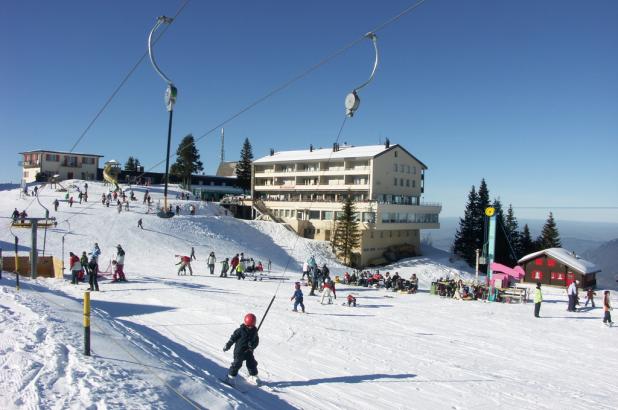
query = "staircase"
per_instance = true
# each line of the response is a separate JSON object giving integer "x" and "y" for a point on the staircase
{"x": 263, "y": 210}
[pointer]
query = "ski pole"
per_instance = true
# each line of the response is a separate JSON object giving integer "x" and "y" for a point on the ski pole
{"x": 266, "y": 313}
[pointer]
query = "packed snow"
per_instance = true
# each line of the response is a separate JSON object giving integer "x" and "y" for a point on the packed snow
{"x": 157, "y": 340}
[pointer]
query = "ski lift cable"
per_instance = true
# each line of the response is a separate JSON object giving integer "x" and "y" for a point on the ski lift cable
{"x": 296, "y": 78}
{"x": 125, "y": 79}
{"x": 46, "y": 223}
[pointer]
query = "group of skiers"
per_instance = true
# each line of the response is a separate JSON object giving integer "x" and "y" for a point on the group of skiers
{"x": 572, "y": 293}
{"x": 80, "y": 266}
{"x": 19, "y": 216}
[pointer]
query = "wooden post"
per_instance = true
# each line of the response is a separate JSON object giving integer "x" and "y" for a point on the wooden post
{"x": 87, "y": 323}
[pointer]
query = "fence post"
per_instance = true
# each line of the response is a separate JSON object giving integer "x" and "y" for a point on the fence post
{"x": 87, "y": 323}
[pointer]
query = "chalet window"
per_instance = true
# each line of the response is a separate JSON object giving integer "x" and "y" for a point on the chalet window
{"x": 537, "y": 275}
{"x": 538, "y": 261}
{"x": 395, "y": 154}
{"x": 557, "y": 276}
{"x": 551, "y": 262}
{"x": 395, "y": 182}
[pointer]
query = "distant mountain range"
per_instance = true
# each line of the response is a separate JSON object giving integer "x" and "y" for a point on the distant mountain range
{"x": 606, "y": 258}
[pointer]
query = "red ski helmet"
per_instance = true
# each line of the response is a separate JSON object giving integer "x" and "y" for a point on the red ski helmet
{"x": 250, "y": 320}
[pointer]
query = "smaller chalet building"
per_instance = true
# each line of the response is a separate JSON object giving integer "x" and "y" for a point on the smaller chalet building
{"x": 558, "y": 267}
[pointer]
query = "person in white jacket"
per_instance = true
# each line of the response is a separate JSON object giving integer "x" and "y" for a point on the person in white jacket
{"x": 211, "y": 262}
{"x": 119, "y": 266}
{"x": 572, "y": 294}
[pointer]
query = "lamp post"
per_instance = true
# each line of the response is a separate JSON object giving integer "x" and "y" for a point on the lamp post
{"x": 170, "y": 99}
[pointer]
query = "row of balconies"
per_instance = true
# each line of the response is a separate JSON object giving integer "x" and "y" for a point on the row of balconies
{"x": 326, "y": 166}
{"x": 313, "y": 182}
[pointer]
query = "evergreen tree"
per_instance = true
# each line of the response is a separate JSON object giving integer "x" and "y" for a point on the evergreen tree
{"x": 550, "y": 238}
{"x": 347, "y": 235}
{"x": 526, "y": 244}
{"x": 130, "y": 164}
{"x": 187, "y": 161}
{"x": 479, "y": 215}
{"x": 512, "y": 231}
{"x": 243, "y": 167}
{"x": 137, "y": 164}
{"x": 501, "y": 250}
{"x": 465, "y": 243}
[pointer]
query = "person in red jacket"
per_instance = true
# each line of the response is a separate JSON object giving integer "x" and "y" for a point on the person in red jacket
{"x": 185, "y": 262}
{"x": 233, "y": 264}
{"x": 75, "y": 266}
{"x": 329, "y": 291}
{"x": 351, "y": 300}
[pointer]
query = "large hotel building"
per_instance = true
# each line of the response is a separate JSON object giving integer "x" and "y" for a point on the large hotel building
{"x": 305, "y": 189}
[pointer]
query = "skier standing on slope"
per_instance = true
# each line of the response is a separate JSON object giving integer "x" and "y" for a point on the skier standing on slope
{"x": 246, "y": 340}
{"x": 193, "y": 254}
{"x": 538, "y": 299}
{"x": 119, "y": 262}
{"x": 224, "y": 267}
{"x": 211, "y": 262}
{"x": 140, "y": 224}
{"x": 240, "y": 270}
{"x": 298, "y": 298}
{"x": 607, "y": 308}
{"x": 233, "y": 263}
{"x": 56, "y": 204}
{"x": 75, "y": 266}
{"x": 329, "y": 291}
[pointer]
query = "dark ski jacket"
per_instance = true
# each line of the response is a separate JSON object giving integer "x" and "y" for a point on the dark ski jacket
{"x": 246, "y": 340}
{"x": 298, "y": 295}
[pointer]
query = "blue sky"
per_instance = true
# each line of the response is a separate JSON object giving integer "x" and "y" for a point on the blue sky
{"x": 522, "y": 93}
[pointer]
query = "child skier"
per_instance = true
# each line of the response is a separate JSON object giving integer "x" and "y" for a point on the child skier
{"x": 75, "y": 266}
{"x": 298, "y": 298}
{"x": 590, "y": 297}
{"x": 351, "y": 301}
{"x": 240, "y": 270}
{"x": 185, "y": 262}
{"x": 329, "y": 291}
{"x": 225, "y": 265}
{"x": 246, "y": 340}
{"x": 607, "y": 317}
{"x": 84, "y": 262}
{"x": 119, "y": 266}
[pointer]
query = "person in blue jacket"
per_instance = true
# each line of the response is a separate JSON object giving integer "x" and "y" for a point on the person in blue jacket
{"x": 298, "y": 298}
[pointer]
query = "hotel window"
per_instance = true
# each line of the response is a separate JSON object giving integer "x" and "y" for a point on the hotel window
{"x": 395, "y": 154}
{"x": 395, "y": 167}
{"x": 400, "y": 182}
{"x": 407, "y": 182}
{"x": 327, "y": 215}
{"x": 395, "y": 182}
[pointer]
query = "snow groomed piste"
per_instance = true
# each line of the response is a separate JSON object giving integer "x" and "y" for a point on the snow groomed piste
{"x": 157, "y": 339}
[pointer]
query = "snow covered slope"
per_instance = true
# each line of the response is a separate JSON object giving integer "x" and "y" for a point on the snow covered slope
{"x": 157, "y": 340}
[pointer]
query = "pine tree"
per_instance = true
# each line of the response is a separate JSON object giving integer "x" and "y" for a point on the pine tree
{"x": 465, "y": 243}
{"x": 130, "y": 164}
{"x": 479, "y": 215}
{"x": 526, "y": 244}
{"x": 187, "y": 161}
{"x": 243, "y": 167}
{"x": 501, "y": 251}
{"x": 550, "y": 238}
{"x": 512, "y": 231}
{"x": 137, "y": 164}
{"x": 347, "y": 235}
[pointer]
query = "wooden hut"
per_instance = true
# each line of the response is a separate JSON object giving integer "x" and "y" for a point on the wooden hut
{"x": 558, "y": 267}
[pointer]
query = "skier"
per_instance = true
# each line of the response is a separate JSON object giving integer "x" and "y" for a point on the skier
{"x": 269, "y": 265}
{"x": 139, "y": 223}
{"x": 246, "y": 340}
{"x": 185, "y": 262}
{"x": 298, "y": 298}
{"x": 538, "y": 298}
{"x": 233, "y": 263}
{"x": 71, "y": 202}
{"x": 93, "y": 273}
{"x": 15, "y": 215}
{"x": 22, "y": 216}
{"x": 177, "y": 209}
{"x": 224, "y": 267}
{"x": 119, "y": 266}
{"x": 80, "y": 196}
{"x": 607, "y": 317}
{"x": 193, "y": 258}
{"x": 211, "y": 262}
{"x": 590, "y": 297}
{"x": 572, "y": 294}
{"x": 75, "y": 266}
{"x": 95, "y": 252}
{"x": 84, "y": 261}
{"x": 305, "y": 270}
{"x": 56, "y": 204}
{"x": 240, "y": 270}
{"x": 351, "y": 300}
{"x": 329, "y": 291}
